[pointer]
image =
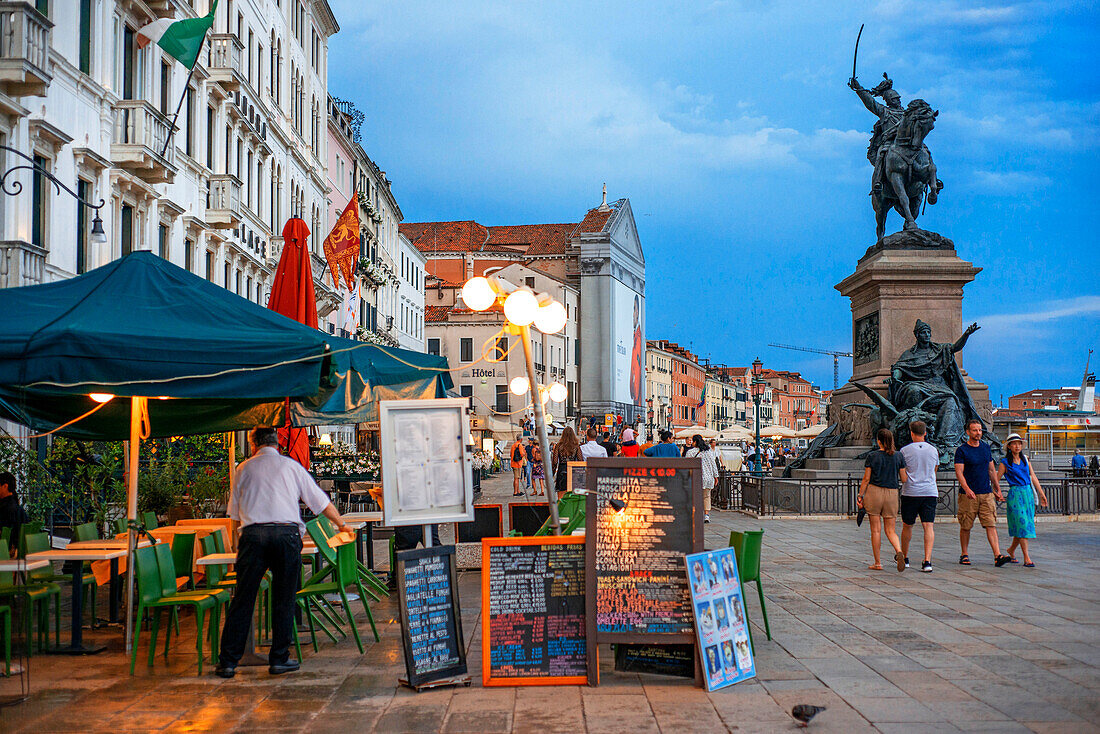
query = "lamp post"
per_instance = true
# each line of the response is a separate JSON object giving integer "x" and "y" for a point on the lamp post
{"x": 522, "y": 307}
{"x": 757, "y": 394}
{"x": 14, "y": 188}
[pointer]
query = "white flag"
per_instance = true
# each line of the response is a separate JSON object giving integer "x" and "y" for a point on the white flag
{"x": 351, "y": 309}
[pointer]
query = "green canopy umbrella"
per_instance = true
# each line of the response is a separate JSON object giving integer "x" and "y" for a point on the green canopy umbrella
{"x": 145, "y": 329}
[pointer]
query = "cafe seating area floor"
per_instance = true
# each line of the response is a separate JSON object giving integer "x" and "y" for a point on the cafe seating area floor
{"x": 961, "y": 649}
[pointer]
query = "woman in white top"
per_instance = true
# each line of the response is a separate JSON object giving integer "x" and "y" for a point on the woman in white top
{"x": 710, "y": 469}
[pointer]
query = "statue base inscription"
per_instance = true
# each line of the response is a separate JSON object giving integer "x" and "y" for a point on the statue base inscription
{"x": 905, "y": 277}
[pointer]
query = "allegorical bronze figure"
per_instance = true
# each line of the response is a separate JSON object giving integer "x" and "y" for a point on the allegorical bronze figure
{"x": 904, "y": 174}
{"x": 926, "y": 384}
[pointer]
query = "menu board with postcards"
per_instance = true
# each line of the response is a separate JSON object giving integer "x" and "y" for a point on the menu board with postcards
{"x": 643, "y": 515}
{"x": 721, "y": 626}
{"x": 533, "y": 598}
{"x": 431, "y": 625}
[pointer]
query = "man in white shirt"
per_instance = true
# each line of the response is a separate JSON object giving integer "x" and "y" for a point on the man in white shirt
{"x": 919, "y": 493}
{"x": 265, "y": 500}
{"x": 591, "y": 448}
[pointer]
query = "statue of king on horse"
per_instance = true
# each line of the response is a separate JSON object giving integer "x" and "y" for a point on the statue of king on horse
{"x": 904, "y": 175}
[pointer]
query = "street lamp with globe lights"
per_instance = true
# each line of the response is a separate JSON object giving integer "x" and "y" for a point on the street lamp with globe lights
{"x": 757, "y": 385}
{"x": 522, "y": 307}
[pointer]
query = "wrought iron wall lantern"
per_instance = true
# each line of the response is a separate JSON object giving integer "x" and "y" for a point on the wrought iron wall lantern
{"x": 15, "y": 187}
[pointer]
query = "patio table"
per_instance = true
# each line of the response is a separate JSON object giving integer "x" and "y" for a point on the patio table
{"x": 76, "y": 643}
{"x": 19, "y": 565}
{"x": 115, "y": 597}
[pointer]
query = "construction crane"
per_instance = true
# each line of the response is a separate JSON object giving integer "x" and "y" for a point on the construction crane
{"x": 836, "y": 358}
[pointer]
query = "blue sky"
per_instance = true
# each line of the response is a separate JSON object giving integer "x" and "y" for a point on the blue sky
{"x": 730, "y": 127}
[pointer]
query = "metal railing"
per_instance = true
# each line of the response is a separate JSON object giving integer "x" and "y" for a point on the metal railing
{"x": 772, "y": 496}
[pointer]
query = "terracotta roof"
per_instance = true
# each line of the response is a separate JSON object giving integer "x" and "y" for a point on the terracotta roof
{"x": 536, "y": 239}
{"x": 529, "y": 239}
{"x": 436, "y": 314}
{"x": 1047, "y": 393}
{"x": 594, "y": 221}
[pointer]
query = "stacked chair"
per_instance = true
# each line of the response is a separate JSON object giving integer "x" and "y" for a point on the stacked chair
{"x": 747, "y": 547}
{"x": 341, "y": 570}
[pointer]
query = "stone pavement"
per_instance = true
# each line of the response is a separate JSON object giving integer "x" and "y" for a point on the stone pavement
{"x": 961, "y": 649}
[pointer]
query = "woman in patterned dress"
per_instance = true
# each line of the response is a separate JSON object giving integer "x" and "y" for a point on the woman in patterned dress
{"x": 1016, "y": 471}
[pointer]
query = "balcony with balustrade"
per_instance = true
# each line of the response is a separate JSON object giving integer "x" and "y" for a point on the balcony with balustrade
{"x": 25, "y": 68}
{"x": 225, "y": 61}
{"x": 138, "y": 138}
{"x": 223, "y": 202}
{"x": 21, "y": 263}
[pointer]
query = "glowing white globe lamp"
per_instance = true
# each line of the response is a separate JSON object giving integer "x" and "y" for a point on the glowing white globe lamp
{"x": 521, "y": 307}
{"x": 519, "y": 385}
{"x": 558, "y": 392}
{"x": 478, "y": 294}
{"x": 551, "y": 318}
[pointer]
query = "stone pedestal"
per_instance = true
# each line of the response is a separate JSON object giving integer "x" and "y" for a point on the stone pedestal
{"x": 890, "y": 289}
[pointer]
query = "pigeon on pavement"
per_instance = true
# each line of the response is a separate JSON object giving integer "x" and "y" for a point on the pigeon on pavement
{"x": 804, "y": 712}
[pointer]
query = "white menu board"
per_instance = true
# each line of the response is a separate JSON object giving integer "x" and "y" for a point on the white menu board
{"x": 426, "y": 469}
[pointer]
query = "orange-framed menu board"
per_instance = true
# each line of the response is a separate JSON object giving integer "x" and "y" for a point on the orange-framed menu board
{"x": 532, "y": 595}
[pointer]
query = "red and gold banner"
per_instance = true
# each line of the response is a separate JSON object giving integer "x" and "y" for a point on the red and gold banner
{"x": 342, "y": 245}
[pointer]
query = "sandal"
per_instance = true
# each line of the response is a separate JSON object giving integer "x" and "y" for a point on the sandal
{"x": 1029, "y": 565}
{"x": 964, "y": 560}
{"x": 1012, "y": 559}
{"x": 875, "y": 567}
{"x": 1000, "y": 561}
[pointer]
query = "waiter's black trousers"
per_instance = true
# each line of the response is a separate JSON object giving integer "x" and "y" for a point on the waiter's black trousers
{"x": 264, "y": 547}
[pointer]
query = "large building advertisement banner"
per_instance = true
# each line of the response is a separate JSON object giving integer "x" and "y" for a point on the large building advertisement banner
{"x": 628, "y": 336}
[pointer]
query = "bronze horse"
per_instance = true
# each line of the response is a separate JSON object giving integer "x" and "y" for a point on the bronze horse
{"x": 909, "y": 175}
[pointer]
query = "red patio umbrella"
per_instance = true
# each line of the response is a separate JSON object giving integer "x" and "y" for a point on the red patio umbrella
{"x": 292, "y": 295}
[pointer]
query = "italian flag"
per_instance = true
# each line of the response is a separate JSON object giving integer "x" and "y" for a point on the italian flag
{"x": 180, "y": 39}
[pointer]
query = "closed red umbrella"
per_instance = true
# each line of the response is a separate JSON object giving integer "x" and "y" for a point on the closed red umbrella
{"x": 292, "y": 295}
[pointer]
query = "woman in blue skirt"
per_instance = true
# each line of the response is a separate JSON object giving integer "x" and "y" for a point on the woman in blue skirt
{"x": 1015, "y": 470}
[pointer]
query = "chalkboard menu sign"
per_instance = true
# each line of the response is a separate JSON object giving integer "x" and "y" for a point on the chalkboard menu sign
{"x": 677, "y": 660}
{"x": 527, "y": 517}
{"x": 533, "y": 600}
{"x": 430, "y": 623}
{"x": 488, "y": 523}
{"x": 637, "y": 589}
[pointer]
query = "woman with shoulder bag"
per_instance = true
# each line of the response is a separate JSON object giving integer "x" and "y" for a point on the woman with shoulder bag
{"x": 700, "y": 449}
{"x": 1023, "y": 492}
{"x": 878, "y": 495}
{"x": 565, "y": 450}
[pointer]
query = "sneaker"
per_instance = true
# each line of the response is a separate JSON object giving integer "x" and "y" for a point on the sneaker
{"x": 926, "y": 567}
{"x": 907, "y": 561}
{"x": 706, "y": 518}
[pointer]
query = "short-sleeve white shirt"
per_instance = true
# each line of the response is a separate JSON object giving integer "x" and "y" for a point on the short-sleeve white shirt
{"x": 592, "y": 449}
{"x": 269, "y": 487}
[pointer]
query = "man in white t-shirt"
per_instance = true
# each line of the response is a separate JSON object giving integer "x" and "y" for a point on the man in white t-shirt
{"x": 591, "y": 447}
{"x": 919, "y": 494}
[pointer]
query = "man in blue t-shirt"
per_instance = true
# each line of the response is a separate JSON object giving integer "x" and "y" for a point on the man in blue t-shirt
{"x": 978, "y": 486}
{"x": 1078, "y": 464}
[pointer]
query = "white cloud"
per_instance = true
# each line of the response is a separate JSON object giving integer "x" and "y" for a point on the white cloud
{"x": 1008, "y": 182}
{"x": 1087, "y": 307}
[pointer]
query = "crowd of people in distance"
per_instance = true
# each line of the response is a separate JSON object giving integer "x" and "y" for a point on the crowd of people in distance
{"x": 912, "y": 471}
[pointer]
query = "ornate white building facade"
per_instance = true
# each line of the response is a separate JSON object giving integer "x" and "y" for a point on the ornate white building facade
{"x": 79, "y": 97}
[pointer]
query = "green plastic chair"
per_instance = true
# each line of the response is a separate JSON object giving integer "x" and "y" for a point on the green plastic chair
{"x": 36, "y": 597}
{"x": 169, "y": 585}
{"x": 149, "y": 520}
{"x": 5, "y": 536}
{"x": 151, "y": 597}
{"x": 119, "y": 525}
{"x": 747, "y": 547}
{"x": 38, "y": 542}
{"x": 217, "y": 578}
{"x": 86, "y": 531}
{"x": 5, "y": 634}
{"x": 183, "y": 556}
{"x": 345, "y": 572}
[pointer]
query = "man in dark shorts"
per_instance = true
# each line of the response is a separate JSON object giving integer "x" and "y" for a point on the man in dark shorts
{"x": 978, "y": 487}
{"x": 919, "y": 493}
